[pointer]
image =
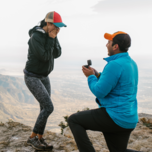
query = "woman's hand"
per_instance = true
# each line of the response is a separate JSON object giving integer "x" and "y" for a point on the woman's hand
{"x": 54, "y": 32}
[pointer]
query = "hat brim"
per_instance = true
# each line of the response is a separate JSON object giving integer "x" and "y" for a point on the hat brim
{"x": 108, "y": 36}
{"x": 60, "y": 24}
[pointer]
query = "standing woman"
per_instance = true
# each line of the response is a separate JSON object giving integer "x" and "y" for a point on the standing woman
{"x": 44, "y": 47}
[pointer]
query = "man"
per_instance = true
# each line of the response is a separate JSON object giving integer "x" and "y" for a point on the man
{"x": 115, "y": 90}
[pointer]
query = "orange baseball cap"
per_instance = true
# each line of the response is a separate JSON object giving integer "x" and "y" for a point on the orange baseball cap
{"x": 111, "y": 36}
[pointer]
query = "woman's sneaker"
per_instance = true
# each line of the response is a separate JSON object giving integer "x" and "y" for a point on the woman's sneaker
{"x": 47, "y": 146}
{"x": 35, "y": 143}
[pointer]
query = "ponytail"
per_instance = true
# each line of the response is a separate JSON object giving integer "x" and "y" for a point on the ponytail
{"x": 42, "y": 23}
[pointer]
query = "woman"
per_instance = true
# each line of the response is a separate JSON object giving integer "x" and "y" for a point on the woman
{"x": 43, "y": 49}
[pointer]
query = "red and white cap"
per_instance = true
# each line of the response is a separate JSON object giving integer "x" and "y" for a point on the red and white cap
{"x": 55, "y": 18}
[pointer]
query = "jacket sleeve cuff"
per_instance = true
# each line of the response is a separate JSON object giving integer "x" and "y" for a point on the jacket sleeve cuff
{"x": 91, "y": 76}
{"x": 97, "y": 77}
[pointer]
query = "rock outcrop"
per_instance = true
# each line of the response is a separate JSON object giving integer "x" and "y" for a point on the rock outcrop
{"x": 140, "y": 139}
{"x": 14, "y": 135}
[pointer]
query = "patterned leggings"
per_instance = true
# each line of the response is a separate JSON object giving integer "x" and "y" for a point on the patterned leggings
{"x": 41, "y": 89}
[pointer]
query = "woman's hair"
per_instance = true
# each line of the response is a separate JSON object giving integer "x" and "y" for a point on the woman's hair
{"x": 42, "y": 23}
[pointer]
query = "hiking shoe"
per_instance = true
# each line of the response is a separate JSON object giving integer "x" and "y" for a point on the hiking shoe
{"x": 47, "y": 146}
{"x": 35, "y": 143}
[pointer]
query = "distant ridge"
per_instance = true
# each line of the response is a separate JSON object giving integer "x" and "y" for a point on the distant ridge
{"x": 14, "y": 96}
{"x": 13, "y": 90}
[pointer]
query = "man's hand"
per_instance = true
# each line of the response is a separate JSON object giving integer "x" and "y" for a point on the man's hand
{"x": 54, "y": 33}
{"x": 96, "y": 72}
{"x": 88, "y": 71}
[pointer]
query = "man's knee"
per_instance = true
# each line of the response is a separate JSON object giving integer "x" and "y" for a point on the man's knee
{"x": 71, "y": 119}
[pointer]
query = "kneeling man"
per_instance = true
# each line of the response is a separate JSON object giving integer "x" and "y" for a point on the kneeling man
{"x": 116, "y": 95}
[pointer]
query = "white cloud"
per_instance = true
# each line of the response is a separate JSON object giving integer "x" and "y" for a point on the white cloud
{"x": 123, "y": 6}
{"x": 75, "y": 7}
{"x": 18, "y": 16}
{"x": 85, "y": 28}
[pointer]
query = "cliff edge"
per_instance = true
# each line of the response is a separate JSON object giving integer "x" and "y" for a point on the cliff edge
{"x": 14, "y": 135}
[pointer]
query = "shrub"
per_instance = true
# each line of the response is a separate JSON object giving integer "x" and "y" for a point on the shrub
{"x": 63, "y": 125}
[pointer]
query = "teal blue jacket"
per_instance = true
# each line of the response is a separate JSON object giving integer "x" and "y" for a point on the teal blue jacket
{"x": 116, "y": 89}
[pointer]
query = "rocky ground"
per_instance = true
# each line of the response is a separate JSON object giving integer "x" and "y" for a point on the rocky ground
{"x": 14, "y": 135}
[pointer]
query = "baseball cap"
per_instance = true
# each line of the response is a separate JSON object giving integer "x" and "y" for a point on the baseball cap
{"x": 120, "y": 38}
{"x": 111, "y": 36}
{"x": 55, "y": 18}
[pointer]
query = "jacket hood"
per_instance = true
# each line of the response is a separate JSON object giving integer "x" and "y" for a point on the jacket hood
{"x": 35, "y": 29}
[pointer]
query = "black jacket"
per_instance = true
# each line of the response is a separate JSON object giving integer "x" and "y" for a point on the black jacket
{"x": 42, "y": 52}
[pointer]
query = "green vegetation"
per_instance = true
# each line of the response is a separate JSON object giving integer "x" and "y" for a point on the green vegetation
{"x": 63, "y": 125}
{"x": 148, "y": 125}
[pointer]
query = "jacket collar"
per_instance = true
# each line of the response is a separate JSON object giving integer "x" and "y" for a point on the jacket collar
{"x": 116, "y": 56}
{"x": 40, "y": 29}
